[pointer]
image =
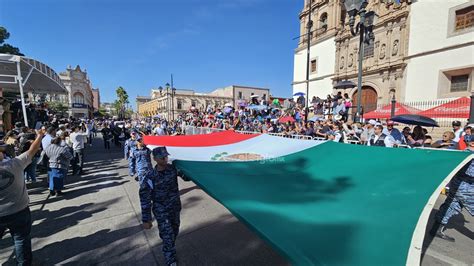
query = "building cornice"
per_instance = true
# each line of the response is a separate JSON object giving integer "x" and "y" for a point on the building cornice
{"x": 315, "y": 41}
{"x": 313, "y": 79}
{"x": 440, "y": 50}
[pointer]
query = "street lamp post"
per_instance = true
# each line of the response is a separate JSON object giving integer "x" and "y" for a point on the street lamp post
{"x": 160, "y": 89}
{"x": 365, "y": 29}
{"x": 308, "y": 36}
{"x": 168, "y": 107}
{"x": 394, "y": 102}
{"x": 173, "y": 93}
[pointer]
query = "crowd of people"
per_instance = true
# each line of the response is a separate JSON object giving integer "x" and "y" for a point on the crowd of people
{"x": 58, "y": 148}
{"x": 326, "y": 120}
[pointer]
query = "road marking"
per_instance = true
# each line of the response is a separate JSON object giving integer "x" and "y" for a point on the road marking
{"x": 444, "y": 258}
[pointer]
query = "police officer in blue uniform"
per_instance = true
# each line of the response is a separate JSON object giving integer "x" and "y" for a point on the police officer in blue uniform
{"x": 142, "y": 159}
{"x": 166, "y": 202}
{"x": 460, "y": 195}
{"x": 129, "y": 147}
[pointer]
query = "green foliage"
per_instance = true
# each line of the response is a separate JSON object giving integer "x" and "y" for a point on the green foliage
{"x": 58, "y": 107}
{"x": 6, "y": 48}
{"x": 121, "y": 102}
{"x": 4, "y": 34}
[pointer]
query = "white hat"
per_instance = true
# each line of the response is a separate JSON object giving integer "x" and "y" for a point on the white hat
{"x": 372, "y": 122}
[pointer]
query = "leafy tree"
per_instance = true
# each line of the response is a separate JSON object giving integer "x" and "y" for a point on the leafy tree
{"x": 121, "y": 102}
{"x": 6, "y": 48}
{"x": 58, "y": 107}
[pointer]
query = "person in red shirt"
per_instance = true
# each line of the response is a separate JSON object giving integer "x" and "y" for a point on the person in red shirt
{"x": 462, "y": 145}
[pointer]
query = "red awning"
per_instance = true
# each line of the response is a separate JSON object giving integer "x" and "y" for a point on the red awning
{"x": 458, "y": 108}
{"x": 385, "y": 111}
{"x": 286, "y": 119}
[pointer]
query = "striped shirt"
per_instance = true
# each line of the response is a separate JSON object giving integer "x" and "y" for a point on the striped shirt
{"x": 59, "y": 156}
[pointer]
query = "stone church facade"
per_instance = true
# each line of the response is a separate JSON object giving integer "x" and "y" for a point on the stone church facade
{"x": 387, "y": 59}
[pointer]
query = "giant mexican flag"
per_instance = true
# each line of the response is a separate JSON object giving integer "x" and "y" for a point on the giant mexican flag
{"x": 320, "y": 203}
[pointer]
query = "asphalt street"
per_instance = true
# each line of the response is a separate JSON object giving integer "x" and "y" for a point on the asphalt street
{"x": 97, "y": 222}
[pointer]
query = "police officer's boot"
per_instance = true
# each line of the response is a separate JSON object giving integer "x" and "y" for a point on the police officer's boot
{"x": 438, "y": 231}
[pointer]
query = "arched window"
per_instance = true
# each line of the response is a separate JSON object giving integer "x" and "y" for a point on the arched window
{"x": 78, "y": 98}
{"x": 323, "y": 21}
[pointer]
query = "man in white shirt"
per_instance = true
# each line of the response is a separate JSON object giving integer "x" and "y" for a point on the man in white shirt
{"x": 159, "y": 130}
{"x": 48, "y": 137}
{"x": 78, "y": 138}
{"x": 380, "y": 139}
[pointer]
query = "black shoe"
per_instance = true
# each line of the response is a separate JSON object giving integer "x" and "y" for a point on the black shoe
{"x": 60, "y": 193}
{"x": 136, "y": 178}
{"x": 52, "y": 193}
{"x": 440, "y": 233}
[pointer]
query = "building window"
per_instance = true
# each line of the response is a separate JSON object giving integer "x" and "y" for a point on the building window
{"x": 314, "y": 66}
{"x": 464, "y": 18}
{"x": 180, "y": 104}
{"x": 369, "y": 50}
{"x": 193, "y": 103}
{"x": 264, "y": 97}
{"x": 78, "y": 98}
{"x": 459, "y": 83}
{"x": 240, "y": 95}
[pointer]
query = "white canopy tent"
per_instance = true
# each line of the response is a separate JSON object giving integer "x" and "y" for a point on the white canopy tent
{"x": 18, "y": 73}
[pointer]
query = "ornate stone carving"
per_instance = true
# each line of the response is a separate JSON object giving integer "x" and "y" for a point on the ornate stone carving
{"x": 382, "y": 51}
{"x": 341, "y": 63}
{"x": 395, "y": 47}
{"x": 350, "y": 61}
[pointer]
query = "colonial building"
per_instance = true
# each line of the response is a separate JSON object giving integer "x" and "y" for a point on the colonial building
{"x": 169, "y": 105}
{"x": 440, "y": 58}
{"x": 242, "y": 93}
{"x": 80, "y": 92}
{"x": 422, "y": 50}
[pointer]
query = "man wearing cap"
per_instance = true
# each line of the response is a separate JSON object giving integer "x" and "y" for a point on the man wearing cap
{"x": 460, "y": 195}
{"x": 143, "y": 164}
{"x": 14, "y": 211}
{"x": 391, "y": 131}
{"x": 166, "y": 202}
{"x": 457, "y": 130}
{"x": 129, "y": 147}
{"x": 368, "y": 130}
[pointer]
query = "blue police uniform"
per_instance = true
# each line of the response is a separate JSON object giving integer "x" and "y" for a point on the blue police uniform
{"x": 129, "y": 147}
{"x": 461, "y": 194}
{"x": 143, "y": 164}
{"x": 166, "y": 205}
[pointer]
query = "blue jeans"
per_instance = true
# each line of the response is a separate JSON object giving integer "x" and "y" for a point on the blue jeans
{"x": 30, "y": 170}
{"x": 19, "y": 225}
{"x": 56, "y": 178}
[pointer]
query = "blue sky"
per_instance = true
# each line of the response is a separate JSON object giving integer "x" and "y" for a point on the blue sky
{"x": 137, "y": 44}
